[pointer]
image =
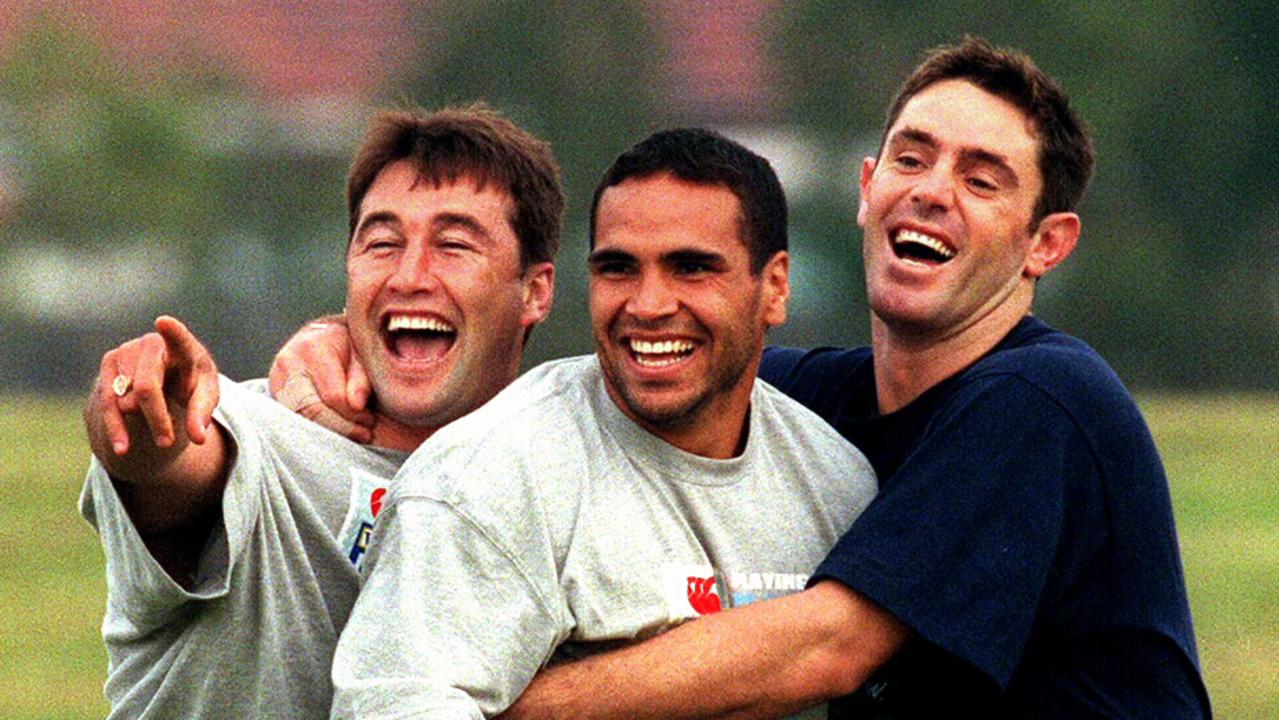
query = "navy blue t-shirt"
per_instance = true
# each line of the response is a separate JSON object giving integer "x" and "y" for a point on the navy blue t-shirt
{"x": 1023, "y": 530}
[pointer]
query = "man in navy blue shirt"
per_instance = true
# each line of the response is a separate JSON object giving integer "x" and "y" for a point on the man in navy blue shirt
{"x": 1020, "y": 560}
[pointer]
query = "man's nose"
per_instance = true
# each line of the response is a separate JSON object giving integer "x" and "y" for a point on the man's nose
{"x": 934, "y": 189}
{"x": 653, "y": 297}
{"x": 415, "y": 271}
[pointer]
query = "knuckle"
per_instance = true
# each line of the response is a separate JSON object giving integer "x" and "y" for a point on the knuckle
{"x": 145, "y": 387}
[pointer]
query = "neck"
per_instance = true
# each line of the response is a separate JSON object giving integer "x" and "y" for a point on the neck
{"x": 394, "y": 435}
{"x": 722, "y": 439}
{"x": 908, "y": 362}
{"x": 718, "y": 428}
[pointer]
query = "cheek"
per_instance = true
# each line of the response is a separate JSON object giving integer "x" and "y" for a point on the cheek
{"x": 603, "y": 303}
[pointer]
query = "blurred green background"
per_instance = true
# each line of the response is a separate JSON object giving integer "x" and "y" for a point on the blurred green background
{"x": 189, "y": 159}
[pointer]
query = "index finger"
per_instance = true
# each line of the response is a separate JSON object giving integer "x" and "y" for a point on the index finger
{"x": 179, "y": 342}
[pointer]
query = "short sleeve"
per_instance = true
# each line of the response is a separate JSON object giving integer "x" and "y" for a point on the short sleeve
{"x": 140, "y": 593}
{"x": 961, "y": 540}
{"x": 449, "y": 623}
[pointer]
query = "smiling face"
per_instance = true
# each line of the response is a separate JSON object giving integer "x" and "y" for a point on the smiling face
{"x": 946, "y": 212}
{"x": 679, "y": 319}
{"x": 437, "y": 303}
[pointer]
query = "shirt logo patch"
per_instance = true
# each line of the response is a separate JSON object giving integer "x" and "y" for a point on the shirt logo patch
{"x": 690, "y": 591}
{"x": 702, "y": 595}
{"x": 364, "y": 505}
{"x": 695, "y": 590}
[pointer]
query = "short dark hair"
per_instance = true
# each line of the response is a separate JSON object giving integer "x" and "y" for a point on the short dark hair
{"x": 1066, "y": 154}
{"x": 473, "y": 142}
{"x": 705, "y": 157}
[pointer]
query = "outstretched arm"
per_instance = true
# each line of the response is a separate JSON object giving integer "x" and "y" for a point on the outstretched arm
{"x": 317, "y": 376}
{"x": 150, "y": 423}
{"x": 767, "y": 659}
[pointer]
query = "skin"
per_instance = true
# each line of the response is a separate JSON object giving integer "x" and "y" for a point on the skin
{"x": 670, "y": 266}
{"x": 448, "y": 254}
{"x": 928, "y": 322}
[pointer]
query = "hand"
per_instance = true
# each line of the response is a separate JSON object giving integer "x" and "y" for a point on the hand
{"x": 316, "y": 375}
{"x": 150, "y": 376}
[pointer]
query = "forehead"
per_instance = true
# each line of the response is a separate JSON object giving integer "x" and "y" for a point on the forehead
{"x": 401, "y": 189}
{"x": 663, "y": 210}
{"x": 958, "y": 113}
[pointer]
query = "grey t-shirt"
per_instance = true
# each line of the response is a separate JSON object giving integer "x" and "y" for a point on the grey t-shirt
{"x": 548, "y": 524}
{"x": 254, "y": 637}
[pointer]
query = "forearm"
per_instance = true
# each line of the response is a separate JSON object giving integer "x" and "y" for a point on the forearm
{"x": 767, "y": 659}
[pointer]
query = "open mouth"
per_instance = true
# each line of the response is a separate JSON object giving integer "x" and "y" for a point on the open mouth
{"x": 918, "y": 247}
{"x": 418, "y": 338}
{"x": 660, "y": 353}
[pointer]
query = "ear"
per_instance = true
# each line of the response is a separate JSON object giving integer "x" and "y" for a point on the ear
{"x": 776, "y": 291}
{"x": 868, "y": 169}
{"x": 1054, "y": 240}
{"x": 539, "y": 291}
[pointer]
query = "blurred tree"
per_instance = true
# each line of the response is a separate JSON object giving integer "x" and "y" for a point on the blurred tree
{"x": 146, "y": 193}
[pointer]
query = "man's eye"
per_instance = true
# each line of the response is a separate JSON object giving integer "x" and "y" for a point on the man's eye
{"x": 380, "y": 244}
{"x": 692, "y": 267}
{"x": 454, "y": 243}
{"x": 909, "y": 162}
{"x": 982, "y": 184}
{"x": 611, "y": 268}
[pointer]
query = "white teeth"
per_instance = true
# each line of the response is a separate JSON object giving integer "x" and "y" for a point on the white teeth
{"x": 664, "y": 347}
{"x": 670, "y": 351}
{"x": 932, "y": 243}
{"x": 418, "y": 322}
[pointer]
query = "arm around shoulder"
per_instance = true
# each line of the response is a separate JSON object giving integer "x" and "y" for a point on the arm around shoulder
{"x": 766, "y": 659}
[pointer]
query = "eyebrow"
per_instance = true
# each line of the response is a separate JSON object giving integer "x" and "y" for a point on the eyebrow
{"x": 447, "y": 220}
{"x": 674, "y": 257}
{"x": 698, "y": 256}
{"x": 377, "y": 217}
{"x": 440, "y": 222}
{"x": 606, "y": 255}
{"x": 967, "y": 155}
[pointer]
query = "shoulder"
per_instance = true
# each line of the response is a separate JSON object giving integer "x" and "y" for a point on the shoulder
{"x": 790, "y": 427}
{"x": 785, "y": 365}
{"x": 534, "y": 422}
{"x": 1066, "y": 373}
{"x": 821, "y": 378}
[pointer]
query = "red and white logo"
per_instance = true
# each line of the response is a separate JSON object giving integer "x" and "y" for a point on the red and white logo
{"x": 703, "y": 595}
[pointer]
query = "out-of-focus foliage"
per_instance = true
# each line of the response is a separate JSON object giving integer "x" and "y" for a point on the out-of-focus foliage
{"x": 126, "y": 191}
{"x": 140, "y": 194}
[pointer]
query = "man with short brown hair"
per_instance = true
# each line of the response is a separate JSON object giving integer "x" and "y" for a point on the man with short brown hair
{"x": 233, "y": 536}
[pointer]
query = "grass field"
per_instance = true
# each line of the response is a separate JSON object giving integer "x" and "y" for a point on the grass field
{"x": 1220, "y": 453}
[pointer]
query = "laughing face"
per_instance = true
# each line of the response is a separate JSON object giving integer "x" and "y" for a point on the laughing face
{"x": 679, "y": 319}
{"x": 437, "y": 302}
{"x": 946, "y": 212}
